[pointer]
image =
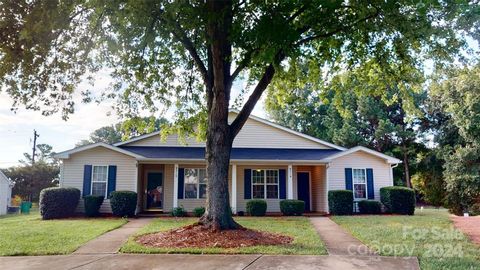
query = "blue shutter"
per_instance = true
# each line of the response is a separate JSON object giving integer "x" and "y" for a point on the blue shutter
{"x": 87, "y": 180}
{"x": 247, "y": 184}
{"x": 283, "y": 184}
{"x": 181, "y": 179}
{"x": 348, "y": 179}
{"x": 370, "y": 184}
{"x": 112, "y": 179}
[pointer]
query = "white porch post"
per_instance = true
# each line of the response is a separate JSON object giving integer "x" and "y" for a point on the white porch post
{"x": 327, "y": 184}
{"x": 234, "y": 188}
{"x": 175, "y": 185}
{"x": 290, "y": 183}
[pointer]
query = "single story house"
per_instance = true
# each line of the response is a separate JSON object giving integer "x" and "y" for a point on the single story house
{"x": 5, "y": 193}
{"x": 268, "y": 161}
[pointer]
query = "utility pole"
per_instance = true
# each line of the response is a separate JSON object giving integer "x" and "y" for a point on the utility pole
{"x": 35, "y": 136}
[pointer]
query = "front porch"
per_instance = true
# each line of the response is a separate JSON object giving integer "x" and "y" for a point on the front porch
{"x": 164, "y": 186}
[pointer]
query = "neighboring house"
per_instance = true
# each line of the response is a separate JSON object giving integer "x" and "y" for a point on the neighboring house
{"x": 5, "y": 193}
{"x": 268, "y": 162}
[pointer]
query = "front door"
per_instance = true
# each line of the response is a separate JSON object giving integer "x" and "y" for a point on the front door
{"x": 154, "y": 190}
{"x": 303, "y": 188}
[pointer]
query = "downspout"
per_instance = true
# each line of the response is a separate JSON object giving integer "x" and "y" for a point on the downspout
{"x": 391, "y": 171}
{"x": 327, "y": 186}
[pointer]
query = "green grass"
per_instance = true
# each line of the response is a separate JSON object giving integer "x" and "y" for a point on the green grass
{"x": 306, "y": 240}
{"x": 30, "y": 235}
{"x": 429, "y": 235}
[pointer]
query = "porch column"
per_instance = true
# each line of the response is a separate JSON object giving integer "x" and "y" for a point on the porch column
{"x": 234, "y": 189}
{"x": 290, "y": 183}
{"x": 175, "y": 185}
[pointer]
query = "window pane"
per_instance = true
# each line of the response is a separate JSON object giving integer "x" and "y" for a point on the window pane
{"x": 258, "y": 176}
{"x": 190, "y": 191}
{"x": 202, "y": 176}
{"x": 99, "y": 173}
{"x": 191, "y": 176}
{"x": 272, "y": 191}
{"x": 359, "y": 176}
{"x": 203, "y": 191}
{"x": 359, "y": 191}
{"x": 99, "y": 189}
{"x": 272, "y": 176}
{"x": 258, "y": 191}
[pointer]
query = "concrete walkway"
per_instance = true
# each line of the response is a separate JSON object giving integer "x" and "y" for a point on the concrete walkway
{"x": 172, "y": 261}
{"x": 111, "y": 242}
{"x": 337, "y": 240}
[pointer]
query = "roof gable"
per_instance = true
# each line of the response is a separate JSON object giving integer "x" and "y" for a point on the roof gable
{"x": 355, "y": 149}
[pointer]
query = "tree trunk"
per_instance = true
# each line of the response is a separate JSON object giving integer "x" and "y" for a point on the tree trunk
{"x": 406, "y": 167}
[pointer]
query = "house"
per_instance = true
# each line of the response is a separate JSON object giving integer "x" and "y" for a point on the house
{"x": 5, "y": 193}
{"x": 268, "y": 161}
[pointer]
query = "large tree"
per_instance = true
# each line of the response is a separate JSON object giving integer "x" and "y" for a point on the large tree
{"x": 188, "y": 54}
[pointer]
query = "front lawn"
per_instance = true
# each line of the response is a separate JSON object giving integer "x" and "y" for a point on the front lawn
{"x": 306, "y": 239}
{"x": 429, "y": 235}
{"x": 30, "y": 235}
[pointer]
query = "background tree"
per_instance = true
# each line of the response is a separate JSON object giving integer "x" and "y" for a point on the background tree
{"x": 187, "y": 54}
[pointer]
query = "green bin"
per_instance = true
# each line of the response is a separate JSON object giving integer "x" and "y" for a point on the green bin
{"x": 25, "y": 207}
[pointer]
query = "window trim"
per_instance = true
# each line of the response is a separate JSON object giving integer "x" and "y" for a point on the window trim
{"x": 366, "y": 184}
{"x": 265, "y": 184}
{"x": 197, "y": 184}
{"x": 106, "y": 181}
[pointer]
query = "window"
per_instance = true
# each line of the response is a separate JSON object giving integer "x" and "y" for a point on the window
{"x": 195, "y": 186}
{"x": 99, "y": 180}
{"x": 359, "y": 184}
{"x": 265, "y": 184}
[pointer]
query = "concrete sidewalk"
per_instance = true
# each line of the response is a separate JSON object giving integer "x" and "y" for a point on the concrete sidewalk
{"x": 337, "y": 240}
{"x": 111, "y": 242}
{"x": 171, "y": 261}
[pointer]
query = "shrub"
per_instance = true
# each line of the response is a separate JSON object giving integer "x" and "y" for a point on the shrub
{"x": 92, "y": 205}
{"x": 370, "y": 207}
{"x": 58, "y": 202}
{"x": 198, "y": 211}
{"x": 398, "y": 200}
{"x": 340, "y": 202}
{"x": 123, "y": 203}
{"x": 475, "y": 209}
{"x": 292, "y": 207}
{"x": 179, "y": 212}
{"x": 240, "y": 213}
{"x": 257, "y": 207}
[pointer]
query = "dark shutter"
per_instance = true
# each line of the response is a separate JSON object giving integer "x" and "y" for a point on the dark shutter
{"x": 112, "y": 179}
{"x": 348, "y": 179}
{"x": 370, "y": 184}
{"x": 283, "y": 184}
{"x": 247, "y": 184}
{"x": 181, "y": 180}
{"x": 87, "y": 180}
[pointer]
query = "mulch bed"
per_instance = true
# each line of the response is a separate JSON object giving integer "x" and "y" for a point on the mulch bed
{"x": 195, "y": 236}
{"x": 468, "y": 225}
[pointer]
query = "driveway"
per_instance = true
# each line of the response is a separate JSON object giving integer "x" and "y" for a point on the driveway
{"x": 176, "y": 261}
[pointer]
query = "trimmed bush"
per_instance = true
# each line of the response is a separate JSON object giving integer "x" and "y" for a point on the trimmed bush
{"x": 370, "y": 207}
{"x": 123, "y": 203}
{"x": 340, "y": 202}
{"x": 198, "y": 211}
{"x": 58, "y": 202}
{"x": 475, "y": 209}
{"x": 398, "y": 200}
{"x": 179, "y": 212}
{"x": 256, "y": 208}
{"x": 92, "y": 205}
{"x": 292, "y": 207}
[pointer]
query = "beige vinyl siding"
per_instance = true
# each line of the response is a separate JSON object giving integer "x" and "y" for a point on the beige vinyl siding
{"x": 5, "y": 194}
{"x": 72, "y": 173}
{"x": 254, "y": 134}
{"x": 359, "y": 160}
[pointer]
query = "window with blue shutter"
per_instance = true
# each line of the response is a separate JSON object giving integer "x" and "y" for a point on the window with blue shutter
{"x": 283, "y": 184}
{"x": 247, "y": 184}
{"x": 87, "y": 180}
{"x": 348, "y": 179}
{"x": 181, "y": 180}
{"x": 370, "y": 185}
{"x": 112, "y": 179}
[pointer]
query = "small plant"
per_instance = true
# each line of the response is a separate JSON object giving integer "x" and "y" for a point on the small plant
{"x": 292, "y": 207}
{"x": 92, "y": 205}
{"x": 179, "y": 212}
{"x": 475, "y": 209}
{"x": 123, "y": 203}
{"x": 370, "y": 207}
{"x": 240, "y": 213}
{"x": 398, "y": 200}
{"x": 198, "y": 211}
{"x": 257, "y": 207}
{"x": 340, "y": 202}
{"x": 58, "y": 202}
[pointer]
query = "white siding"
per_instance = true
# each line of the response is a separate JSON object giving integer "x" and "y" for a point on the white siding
{"x": 72, "y": 173}
{"x": 254, "y": 134}
{"x": 5, "y": 194}
{"x": 359, "y": 160}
